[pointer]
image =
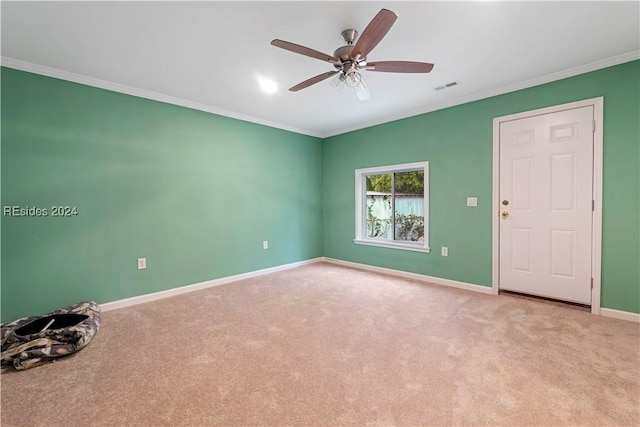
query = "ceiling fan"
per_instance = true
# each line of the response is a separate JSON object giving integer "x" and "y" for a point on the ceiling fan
{"x": 351, "y": 58}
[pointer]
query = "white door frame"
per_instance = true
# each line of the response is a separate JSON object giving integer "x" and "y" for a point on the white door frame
{"x": 596, "y": 225}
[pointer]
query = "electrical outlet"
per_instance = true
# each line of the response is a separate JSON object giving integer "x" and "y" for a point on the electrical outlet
{"x": 472, "y": 201}
{"x": 444, "y": 251}
{"x": 265, "y": 244}
{"x": 142, "y": 263}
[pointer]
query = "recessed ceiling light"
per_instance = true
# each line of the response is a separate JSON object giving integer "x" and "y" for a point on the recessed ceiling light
{"x": 267, "y": 85}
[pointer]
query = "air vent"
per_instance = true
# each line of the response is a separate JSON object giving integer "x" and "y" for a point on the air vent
{"x": 447, "y": 85}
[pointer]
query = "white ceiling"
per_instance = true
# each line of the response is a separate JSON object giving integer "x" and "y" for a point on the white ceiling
{"x": 207, "y": 55}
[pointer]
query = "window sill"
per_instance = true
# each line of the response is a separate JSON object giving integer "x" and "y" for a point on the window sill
{"x": 393, "y": 245}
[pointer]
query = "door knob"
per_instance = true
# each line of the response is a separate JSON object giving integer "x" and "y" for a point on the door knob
{"x": 504, "y": 214}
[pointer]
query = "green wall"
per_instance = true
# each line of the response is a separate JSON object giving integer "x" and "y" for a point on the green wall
{"x": 193, "y": 192}
{"x": 197, "y": 193}
{"x": 458, "y": 143}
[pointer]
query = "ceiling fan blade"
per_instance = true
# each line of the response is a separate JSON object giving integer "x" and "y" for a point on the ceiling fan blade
{"x": 313, "y": 80}
{"x": 302, "y": 50}
{"x": 399, "y": 66}
{"x": 375, "y": 31}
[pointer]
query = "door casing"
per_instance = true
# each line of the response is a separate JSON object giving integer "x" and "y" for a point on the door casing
{"x": 596, "y": 228}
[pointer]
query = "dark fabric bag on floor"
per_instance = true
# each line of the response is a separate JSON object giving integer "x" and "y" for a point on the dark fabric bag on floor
{"x": 32, "y": 341}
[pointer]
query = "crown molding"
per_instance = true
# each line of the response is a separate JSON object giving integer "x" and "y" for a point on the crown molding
{"x": 571, "y": 72}
{"x": 155, "y": 96}
{"x": 142, "y": 93}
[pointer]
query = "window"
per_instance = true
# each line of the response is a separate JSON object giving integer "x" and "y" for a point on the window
{"x": 392, "y": 206}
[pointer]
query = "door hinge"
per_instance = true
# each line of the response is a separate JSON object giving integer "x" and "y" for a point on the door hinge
{"x": 593, "y": 205}
{"x": 593, "y": 127}
{"x": 592, "y": 283}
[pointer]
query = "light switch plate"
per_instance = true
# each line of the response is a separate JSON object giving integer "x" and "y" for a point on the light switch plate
{"x": 472, "y": 201}
{"x": 142, "y": 263}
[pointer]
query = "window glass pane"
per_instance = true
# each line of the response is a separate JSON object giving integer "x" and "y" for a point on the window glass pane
{"x": 391, "y": 208}
{"x": 379, "y": 207}
{"x": 409, "y": 206}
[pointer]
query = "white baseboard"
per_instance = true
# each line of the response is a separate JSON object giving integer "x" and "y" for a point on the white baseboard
{"x": 414, "y": 276}
{"x": 140, "y": 299}
{"x": 618, "y": 314}
{"x": 607, "y": 312}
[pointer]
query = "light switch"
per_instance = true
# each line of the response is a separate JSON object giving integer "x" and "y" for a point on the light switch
{"x": 472, "y": 201}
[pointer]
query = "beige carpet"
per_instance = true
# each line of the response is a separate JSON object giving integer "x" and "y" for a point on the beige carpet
{"x": 333, "y": 346}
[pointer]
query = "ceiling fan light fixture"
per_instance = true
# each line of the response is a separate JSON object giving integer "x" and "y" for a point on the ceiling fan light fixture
{"x": 353, "y": 79}
{"x": 362, "y": 90}
{"x": 338, "y": 82}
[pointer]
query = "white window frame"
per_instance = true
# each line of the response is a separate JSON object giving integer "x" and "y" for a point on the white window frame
{"x": 361, "y": 203}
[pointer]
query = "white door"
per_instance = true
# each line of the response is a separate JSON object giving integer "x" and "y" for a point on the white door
{"x": 546, "y": 192}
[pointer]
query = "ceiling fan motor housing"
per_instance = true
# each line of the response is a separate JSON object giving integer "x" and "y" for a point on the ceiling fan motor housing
{"x": 344, "y": 53}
